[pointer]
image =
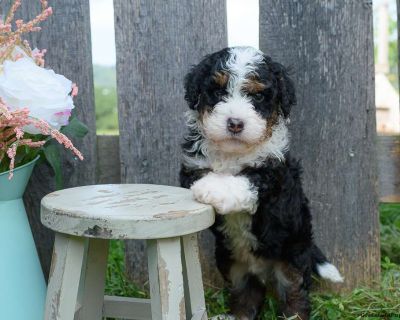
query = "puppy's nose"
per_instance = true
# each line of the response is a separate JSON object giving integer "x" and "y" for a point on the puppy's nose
{"x": 235, "y": 125}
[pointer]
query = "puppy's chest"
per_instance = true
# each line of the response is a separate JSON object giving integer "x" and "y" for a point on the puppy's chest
{"x": 226, "y": 166}
{"x": 240, "y": 240}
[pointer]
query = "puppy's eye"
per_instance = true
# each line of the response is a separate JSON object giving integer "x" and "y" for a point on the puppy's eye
{"x": 258, "y": 97}
{"x": 219, "y": 93}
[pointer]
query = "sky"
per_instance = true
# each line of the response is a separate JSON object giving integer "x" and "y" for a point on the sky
{"x": 242, "y": 27}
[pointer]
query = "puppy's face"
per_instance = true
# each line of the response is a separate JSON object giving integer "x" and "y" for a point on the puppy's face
{"x": 239, "y": 95}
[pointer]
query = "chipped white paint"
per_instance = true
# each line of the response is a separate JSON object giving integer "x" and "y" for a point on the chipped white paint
{"x": 194, "y": 292}
{"x": 64, "y": 277}
{"x": 125, "y": 211}
{"x": 93, "y": 280}
{"x": 166, "y": 280}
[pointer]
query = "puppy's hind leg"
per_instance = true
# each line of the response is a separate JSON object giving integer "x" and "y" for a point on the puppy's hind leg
{"x": 247, "y": 297}
{"x": 292, "y": 287}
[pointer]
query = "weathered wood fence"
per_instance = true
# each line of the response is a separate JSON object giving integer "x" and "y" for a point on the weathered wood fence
{"x": 328, "y": 44}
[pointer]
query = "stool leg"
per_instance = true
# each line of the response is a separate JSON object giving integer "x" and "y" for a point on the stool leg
{"x": 194, "y": 292}
{"x": 64, "y": 278}
{"x": 166, "y": 281}
{"x": 80, "y": 288}
{"x": 94, "y": 280}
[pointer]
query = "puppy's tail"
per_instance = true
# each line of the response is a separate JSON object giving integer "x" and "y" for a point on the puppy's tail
{"x": 323, "y": 268}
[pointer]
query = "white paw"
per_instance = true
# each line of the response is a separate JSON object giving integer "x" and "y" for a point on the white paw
{"x": 226, "y": 193}
{"x": 216, "y": 195}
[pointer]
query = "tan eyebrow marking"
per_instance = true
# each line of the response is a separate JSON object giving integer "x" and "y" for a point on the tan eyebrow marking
{"x": 253, "y": 85}
{"x": 221, "y": 78}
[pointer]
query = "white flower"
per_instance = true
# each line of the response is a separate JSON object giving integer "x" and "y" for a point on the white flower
{"x": 46, "y": 94}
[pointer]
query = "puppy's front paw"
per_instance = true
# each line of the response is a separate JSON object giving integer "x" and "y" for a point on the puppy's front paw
{"x": 227, "y": 194}
{"x": 211, "y": 191}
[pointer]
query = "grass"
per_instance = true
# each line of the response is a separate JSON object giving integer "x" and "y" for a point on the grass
{"x": 116, "y": 283}
{"x": 361, "y": 303}
{"x": 390, "y": 231}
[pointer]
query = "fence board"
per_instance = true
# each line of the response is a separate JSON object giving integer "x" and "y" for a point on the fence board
{"x": 156, "y": 41}
{"x": 389, "y": 168}
{"x": 329, "y": 45}
{"x": 108, "y": 164}
{"x": 66, "y": 35}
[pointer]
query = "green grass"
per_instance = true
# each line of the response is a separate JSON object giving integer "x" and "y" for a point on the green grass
{"x": 362, "y": 303}
{"x": 116, "y": 283}
{"x": 390, "y": 231}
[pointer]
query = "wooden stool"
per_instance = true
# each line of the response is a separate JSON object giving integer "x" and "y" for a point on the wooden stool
{"x": 85, "y": 218}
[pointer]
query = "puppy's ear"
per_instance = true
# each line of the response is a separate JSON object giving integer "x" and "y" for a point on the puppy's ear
{"x": 286, "y": 90}
{"x": 192, "y": 88}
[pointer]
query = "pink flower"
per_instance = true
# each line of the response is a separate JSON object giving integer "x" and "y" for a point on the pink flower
{"x": 74, "y": 91}
{"x": 18, "y": 132}
{"x": 5, "y": 27}
{"x": 11, "y": 153}
{"x": 19, "y": 23}
{"x": 49, "y": 11}
{"x": 12, "y": 124}
{"x": 62, "y": 117}
{"x": 38, "y": 56}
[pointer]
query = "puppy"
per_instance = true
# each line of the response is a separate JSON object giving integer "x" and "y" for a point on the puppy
{"x": 236, "y": 158}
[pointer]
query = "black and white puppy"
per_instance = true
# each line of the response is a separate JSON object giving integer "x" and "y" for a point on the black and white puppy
{"x": 236, "y": 159}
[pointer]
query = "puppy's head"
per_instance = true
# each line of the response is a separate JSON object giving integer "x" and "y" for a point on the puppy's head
{"x": 239, "y": 95}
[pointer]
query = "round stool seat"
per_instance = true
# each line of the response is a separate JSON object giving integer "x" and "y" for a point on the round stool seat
{"x": 125, "y": 211}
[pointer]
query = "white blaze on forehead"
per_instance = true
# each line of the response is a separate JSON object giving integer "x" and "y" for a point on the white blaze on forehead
{"x": 242, "y": 62}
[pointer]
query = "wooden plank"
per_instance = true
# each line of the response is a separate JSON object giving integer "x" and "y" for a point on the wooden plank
{"x": 108, "y": 164}
{"x": 199, "y": 315}
{"x": 80, "y": 296}
{"x": 166, "y": 280}
{"x": 78, "y": 307}
{"x": 127, "y": 308}
{"x": 64, "y": 277}
{"x": 194, "y": 291}
{"x": 94, "y": 280}
{"x": 66, "y": 35}
{"x": 388, "y": 150}
{"x": 330, "y": 47}
{"x": 154, "y": 51}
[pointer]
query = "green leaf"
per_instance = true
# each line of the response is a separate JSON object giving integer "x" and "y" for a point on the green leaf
{"x": 75, "y": 129}
{"x": 333, "y": 314}
{"x": 52, "y": 155}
